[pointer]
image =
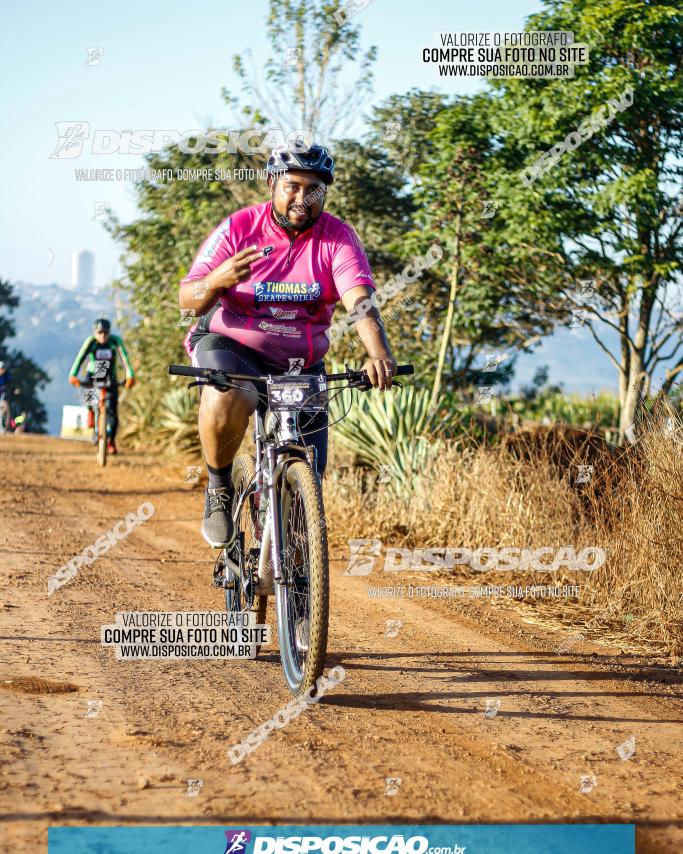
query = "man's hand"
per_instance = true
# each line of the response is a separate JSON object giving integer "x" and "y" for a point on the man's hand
{"x": 74, "y": 381}
{"x": 130, "y": 382}
{"x": 233, "y": 270}
{"x": 380, "y": 370}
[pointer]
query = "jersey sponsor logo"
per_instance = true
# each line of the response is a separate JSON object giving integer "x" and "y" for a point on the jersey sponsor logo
{"x": 284, "y": 314}
{"x": 279, "y": 329}
{"x": 286, "y": 292}
{"x": 103, "y": 353}
{"x": 212, "y": 244}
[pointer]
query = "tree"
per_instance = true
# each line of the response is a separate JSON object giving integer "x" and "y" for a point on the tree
{"x": 158, "y": 250}
{"x": 610, "y": 208}
{"x": 177, "y": 215}
{"x": 27, "y": 377}
{"x": 312, "y": 45}
{"x": 402, "y": 126}
{"x": 484, "y": 293}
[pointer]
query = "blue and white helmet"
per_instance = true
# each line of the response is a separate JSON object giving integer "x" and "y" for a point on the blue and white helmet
{"x": 316, "y": 159}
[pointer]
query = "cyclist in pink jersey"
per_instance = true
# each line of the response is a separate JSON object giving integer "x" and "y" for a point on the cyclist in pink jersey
{"x": 265, "y": 284}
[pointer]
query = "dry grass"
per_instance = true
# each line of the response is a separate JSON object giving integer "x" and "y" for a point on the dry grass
{"x": 523, "y": 493}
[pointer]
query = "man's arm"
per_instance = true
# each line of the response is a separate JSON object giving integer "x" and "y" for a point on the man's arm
{"x": 200, "y": 295}
{"x": 121, "y": 347}
{"x": 380, "y": 364}
{"x": 349, "y": 264}
{"x": 215, "y": 268}
{"x": 82, "y": 353}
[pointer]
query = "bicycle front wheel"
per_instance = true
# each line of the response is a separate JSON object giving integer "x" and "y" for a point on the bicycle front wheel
{"x": 303, "y": 600}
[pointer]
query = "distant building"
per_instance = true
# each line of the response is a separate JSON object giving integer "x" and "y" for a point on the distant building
{"x": 83, "y": 271}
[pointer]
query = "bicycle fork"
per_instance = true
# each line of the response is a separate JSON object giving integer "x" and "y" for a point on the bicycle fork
{"x": 271, "y": 557}
{"x": 271, "y": 552}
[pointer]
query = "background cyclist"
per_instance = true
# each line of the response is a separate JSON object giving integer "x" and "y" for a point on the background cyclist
{"x": 100, "y": 350}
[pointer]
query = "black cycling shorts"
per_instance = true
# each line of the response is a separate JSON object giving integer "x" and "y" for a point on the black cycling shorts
{"x": 212, "y": 350}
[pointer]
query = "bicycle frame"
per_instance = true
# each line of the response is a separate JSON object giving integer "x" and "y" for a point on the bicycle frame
{"x": 277, "y": 456}
{"x": 103, "y": 388}
{"x": 102, "y": 413}
{"x": 289, "y": 440}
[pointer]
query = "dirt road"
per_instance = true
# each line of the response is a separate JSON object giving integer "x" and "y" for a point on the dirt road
{"x": 411, "y": 707}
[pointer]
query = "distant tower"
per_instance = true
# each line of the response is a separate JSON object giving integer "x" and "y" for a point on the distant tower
{"x": 83, "y": 271}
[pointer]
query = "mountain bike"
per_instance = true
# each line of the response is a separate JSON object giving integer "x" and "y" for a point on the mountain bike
{"x": 102, "y": 416}
{"x": 280, "y": 543}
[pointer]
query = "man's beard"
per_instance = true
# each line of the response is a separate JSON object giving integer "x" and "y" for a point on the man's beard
{"x": 285, "y": 222}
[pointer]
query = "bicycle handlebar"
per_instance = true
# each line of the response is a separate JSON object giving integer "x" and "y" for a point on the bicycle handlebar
{"x": 185, "y": 371}
{"x": 401, "y": 371}
{"x": 98, "y": 384}
{"x": 208, "y": 373}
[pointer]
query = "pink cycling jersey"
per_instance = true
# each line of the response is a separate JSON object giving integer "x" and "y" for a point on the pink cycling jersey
{"x": 285, "y": 309}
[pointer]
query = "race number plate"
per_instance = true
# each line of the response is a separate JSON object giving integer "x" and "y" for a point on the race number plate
{"x": 101, "y": 369}
{"x": 306, "y": 392}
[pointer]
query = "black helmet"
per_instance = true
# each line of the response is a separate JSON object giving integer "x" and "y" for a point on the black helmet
{"x": 313, "y": 159}
{"x": 101, "y": 325}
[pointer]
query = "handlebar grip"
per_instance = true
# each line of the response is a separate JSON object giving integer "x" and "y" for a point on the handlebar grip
{"x": 185, "y": 371}
{"x": 404, "y": 370}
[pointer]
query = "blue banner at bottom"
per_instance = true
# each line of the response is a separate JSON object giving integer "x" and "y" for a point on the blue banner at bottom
{"x": 347, "y": 839}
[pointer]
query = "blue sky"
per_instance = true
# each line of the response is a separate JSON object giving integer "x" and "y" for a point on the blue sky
{"x": 163, "y": 66}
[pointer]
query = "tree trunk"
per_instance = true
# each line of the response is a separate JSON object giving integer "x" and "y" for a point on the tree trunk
{"x": 628, "y": 426}
{"x": 628, "y": 405}
{"x": 625, "y": 372}
{"x": 446, "y": 336}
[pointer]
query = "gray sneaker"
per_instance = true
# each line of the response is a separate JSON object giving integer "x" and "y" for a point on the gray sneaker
{"x": 218, "y": 528}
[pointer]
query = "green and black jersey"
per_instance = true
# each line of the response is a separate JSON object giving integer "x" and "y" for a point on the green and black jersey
{"x": 102, "y": 357}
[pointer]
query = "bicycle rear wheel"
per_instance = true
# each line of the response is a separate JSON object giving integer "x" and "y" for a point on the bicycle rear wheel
{"x": 303, "y": 601}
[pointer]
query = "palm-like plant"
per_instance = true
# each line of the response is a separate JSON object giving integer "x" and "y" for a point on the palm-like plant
{"x": 178, "y": 430}
{"x": 138, "y": 419}
{"x": 397, "y": 429}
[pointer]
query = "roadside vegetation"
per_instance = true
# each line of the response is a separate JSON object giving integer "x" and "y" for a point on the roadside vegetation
{"x": 533, "y": 489}
{"x": 28, "y": 378}
{"x": 594, "y": 240}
